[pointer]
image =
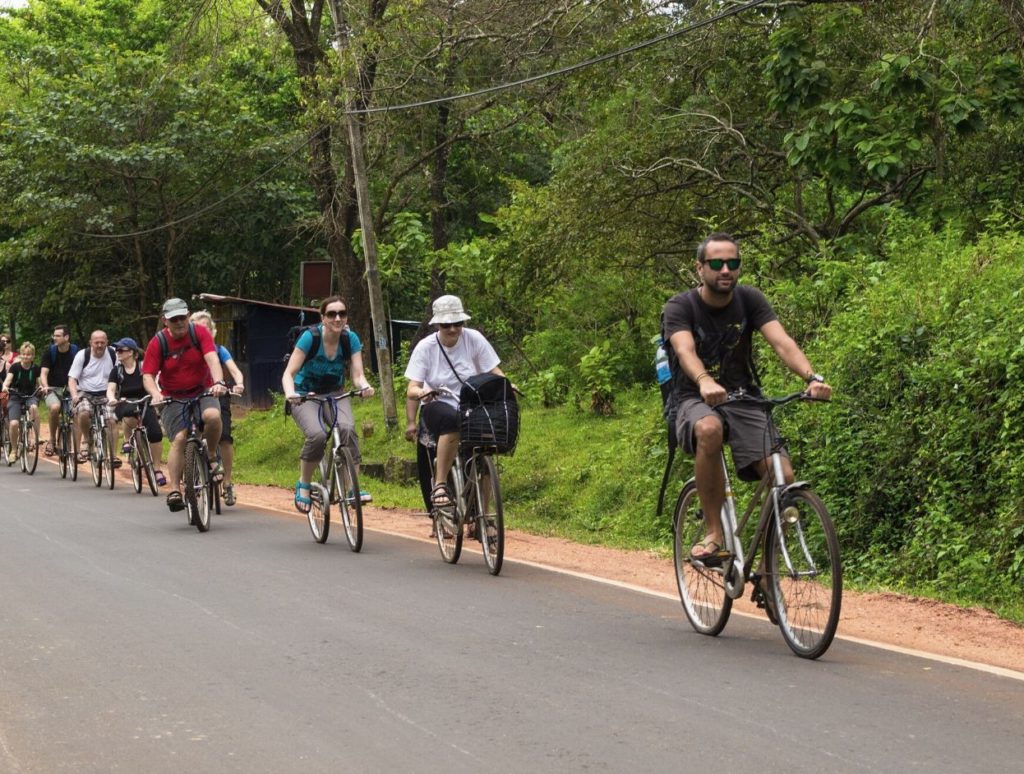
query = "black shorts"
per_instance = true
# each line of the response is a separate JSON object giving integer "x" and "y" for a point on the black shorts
{"x": 749, "y": 433}
{"x": 225, "y": 419}
{"x": 149, "y": 421}
{"x": 440, "y": 418}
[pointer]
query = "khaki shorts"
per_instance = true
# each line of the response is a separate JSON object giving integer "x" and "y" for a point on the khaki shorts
{"x": 751, "y": 436}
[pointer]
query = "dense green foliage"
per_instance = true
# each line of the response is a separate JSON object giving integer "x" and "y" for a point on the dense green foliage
{"x": 870, "y": 157}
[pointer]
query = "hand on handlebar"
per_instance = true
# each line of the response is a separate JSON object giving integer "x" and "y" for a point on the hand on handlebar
{"x": 410, "y": 431}
{"x": 367, "y": 392}
{"x": 711, "y": 392}
{"x": 819, "y": 390}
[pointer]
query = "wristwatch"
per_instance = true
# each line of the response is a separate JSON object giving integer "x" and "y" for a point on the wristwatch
{"x": 814, "y": 378}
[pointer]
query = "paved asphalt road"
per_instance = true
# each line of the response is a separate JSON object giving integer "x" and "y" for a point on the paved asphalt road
{"x": 131, "y": 643}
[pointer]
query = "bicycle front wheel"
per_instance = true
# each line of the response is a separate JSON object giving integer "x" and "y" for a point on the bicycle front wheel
{"x": 31, "y": 456}
{"x": 5, "y": 445}
{"x": 197, "y": 492}
{"x": 96, "y": 457}
{"x": 447, "y": 523}
{"x": 145, "y": 458}
{"x": 69, "y": 435}
{"x": 486, "y": 508}
{"x": 62, "y": 450}
{"x": 351, "y": 504}
{"x": 701, "y": 588}
{"x": 108, "y": 461}
{"x": 319, "y": 512}
{"x": 136, "y": 467}
{"x": 804, "y": 574}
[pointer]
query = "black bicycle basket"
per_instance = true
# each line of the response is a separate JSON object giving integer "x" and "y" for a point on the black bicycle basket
{"x": 488, "y": 414}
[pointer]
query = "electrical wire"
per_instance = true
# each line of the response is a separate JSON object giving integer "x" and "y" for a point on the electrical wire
{"x": 685, "y": 30}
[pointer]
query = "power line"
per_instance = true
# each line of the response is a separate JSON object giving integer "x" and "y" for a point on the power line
{"x": 685, "y": 30}
{"x": 564, "y": 70}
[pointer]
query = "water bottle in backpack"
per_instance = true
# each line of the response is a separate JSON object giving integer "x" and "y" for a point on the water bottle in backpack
{"x": 661, "y": 363}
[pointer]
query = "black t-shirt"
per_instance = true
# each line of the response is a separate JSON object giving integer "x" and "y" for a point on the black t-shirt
{"x": 59, "y": 366}
{"x": 25, "y": 379}
{"x": 723, "y": 337}
{"x": 128, "y": 385}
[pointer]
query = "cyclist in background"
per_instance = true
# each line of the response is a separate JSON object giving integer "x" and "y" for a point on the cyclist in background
{"x": 237, "y": 387}
{"x": 125, "y": 381}
{"x": 56, "y": 364}
{"x": 437, "y": 368}
{"x": 88, "y": 378}
{"x": 323, "y": 372}
{"x": 23, "y": 378}
{"x": 184, "y": 359}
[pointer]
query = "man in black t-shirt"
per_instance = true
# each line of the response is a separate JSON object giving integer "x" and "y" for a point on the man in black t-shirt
{"x": 711, "y": 329}
{"x": 56, "y": 363}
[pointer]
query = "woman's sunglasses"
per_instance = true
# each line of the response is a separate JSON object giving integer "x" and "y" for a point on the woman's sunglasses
{"x": 450, "y": 325}
{"x": 334, "y": 314}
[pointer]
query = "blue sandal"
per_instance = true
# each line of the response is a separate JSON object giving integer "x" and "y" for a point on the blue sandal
{"x": 302, "y": 504}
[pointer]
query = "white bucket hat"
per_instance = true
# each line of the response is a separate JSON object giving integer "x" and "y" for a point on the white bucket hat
{"x": 448, "y": 309}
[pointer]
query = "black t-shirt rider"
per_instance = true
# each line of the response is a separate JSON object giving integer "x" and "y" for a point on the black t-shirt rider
{"x": 723, "y": 336}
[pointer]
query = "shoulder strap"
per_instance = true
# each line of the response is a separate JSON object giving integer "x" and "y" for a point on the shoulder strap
{"x": 161, "y": 339}
{"x": 314, "y": 332}
{"x": 194, "y": 336}
{"x": 53, "y": 353}
{"x": 113, "y": 357}
{"x": 441, "y": 347}
{"x": 740, "y": 292}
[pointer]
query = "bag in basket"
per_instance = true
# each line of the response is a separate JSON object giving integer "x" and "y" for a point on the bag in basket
{"x": 488, "y": 414}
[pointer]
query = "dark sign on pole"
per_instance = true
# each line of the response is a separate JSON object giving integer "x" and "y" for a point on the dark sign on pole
{"x": 315, "y": 278}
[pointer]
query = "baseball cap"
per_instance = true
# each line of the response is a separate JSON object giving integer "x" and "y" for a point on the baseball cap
{"x": 126, "y": 343}
{"x": 174, "y": 307}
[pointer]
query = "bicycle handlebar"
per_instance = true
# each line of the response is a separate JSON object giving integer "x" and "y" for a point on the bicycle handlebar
{"x": 742, "y": 396}
{"x": 321, "y": 398}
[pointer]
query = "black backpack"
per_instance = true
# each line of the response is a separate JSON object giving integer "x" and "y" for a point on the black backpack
{"x": 161, "y": 339}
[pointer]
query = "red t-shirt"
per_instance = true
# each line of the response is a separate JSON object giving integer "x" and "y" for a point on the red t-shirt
{"x": 184, "y": 373}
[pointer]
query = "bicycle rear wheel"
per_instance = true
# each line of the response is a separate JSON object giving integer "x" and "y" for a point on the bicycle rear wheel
{"x": 350, "y": 502}
{"x": 62, "y": 451}
{"x": 805, "y": 574}
{"x": 701, "y": 588}
{"x": 30, "y": 458}
{"x": 319, "y": 515}
{"x": 447, "y": 524}
{"x": 486, "y": 507}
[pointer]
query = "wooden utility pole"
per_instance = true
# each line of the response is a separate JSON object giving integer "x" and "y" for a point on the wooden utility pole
{"x": 358, "y": 156}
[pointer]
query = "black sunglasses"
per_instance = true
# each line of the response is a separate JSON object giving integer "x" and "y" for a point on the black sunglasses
{"x": 334, "y": 314}
{"x": 450, "y": 325}
{"x": 125, "y": 349}
{"x": 716, "y": 264}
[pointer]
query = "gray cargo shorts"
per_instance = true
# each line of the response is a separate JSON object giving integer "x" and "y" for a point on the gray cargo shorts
{"x": 748, "y": 432}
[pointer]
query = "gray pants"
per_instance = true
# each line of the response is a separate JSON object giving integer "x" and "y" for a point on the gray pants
{"x": 316, "y": 426}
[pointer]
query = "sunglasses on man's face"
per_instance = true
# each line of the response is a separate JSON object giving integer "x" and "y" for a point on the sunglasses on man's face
{"x": 450, "y": 325}
{"x": 334, "y": 314}
{"x": 716, "y": 264}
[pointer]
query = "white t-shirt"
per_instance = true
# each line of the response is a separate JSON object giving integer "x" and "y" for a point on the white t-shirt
{"x": 471, "y": 355}
{"x": 91, "y": 377}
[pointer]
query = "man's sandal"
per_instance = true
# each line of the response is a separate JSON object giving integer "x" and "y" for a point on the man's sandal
{"x": 712, "y": 554}
{"x": 175, "y": 502}
{"x": 302, "y": 503}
